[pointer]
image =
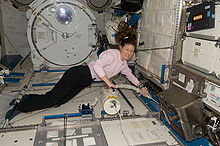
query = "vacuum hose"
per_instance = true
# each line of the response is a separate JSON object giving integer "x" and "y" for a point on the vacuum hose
{"x": 127, "y": 86}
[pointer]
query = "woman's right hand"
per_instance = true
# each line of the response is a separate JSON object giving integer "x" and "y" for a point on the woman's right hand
{"x": 109, "y": 83}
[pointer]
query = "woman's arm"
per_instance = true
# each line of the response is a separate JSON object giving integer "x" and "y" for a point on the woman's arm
{"x": 129, "y": 75}
{"x": 108, "y": 82}
{"x": 143, "y": 89}
{"x": 105, "y": 59}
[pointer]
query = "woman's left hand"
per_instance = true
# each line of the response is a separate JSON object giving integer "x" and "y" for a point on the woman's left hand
{"x": 145, "y": 92}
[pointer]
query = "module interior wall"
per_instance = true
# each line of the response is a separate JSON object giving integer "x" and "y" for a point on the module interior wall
{"x": 15, "y": 25}
{"x": 156, "y": 31}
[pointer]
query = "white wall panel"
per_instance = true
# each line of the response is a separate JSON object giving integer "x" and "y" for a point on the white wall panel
{"x": 15, "y": 25}
{"x": 143, "y": 59}
{"x": 201, "y": 54}
{"x": 156, "y": 32}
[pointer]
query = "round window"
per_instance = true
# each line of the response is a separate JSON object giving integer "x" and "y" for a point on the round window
{"x": 64, "y": 15}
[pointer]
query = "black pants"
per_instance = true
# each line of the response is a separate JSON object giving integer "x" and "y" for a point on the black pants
{"x": 72, "y": 82}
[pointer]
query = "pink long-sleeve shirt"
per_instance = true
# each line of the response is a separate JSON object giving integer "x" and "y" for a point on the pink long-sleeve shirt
{"x": 110, "y": 64}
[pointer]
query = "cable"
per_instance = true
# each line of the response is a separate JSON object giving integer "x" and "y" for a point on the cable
{"x": 120, "y": 121}
{"x": 65, "y": 128}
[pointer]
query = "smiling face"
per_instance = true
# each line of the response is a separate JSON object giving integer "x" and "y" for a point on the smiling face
{"x": 126, "y": 51}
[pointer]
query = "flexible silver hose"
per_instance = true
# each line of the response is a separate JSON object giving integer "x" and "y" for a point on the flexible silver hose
{"x": 127, "y": 86}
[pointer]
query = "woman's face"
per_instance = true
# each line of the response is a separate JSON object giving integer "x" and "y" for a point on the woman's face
{"x": 127, "y": 51}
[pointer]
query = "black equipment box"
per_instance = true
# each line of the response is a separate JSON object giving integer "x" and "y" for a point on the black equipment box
{"x": 182, "y": 111}
{"x": 131, "y": 5}
{"x": 200, "y": 16}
